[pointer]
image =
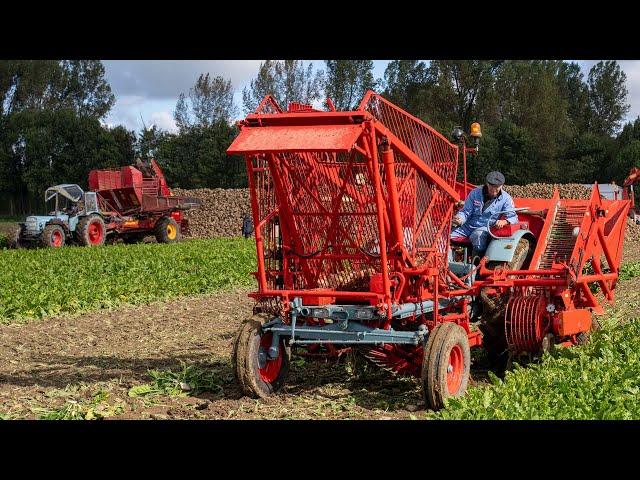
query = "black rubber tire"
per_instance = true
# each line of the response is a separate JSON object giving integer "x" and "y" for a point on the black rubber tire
{"x": 161, "y": 230}
{"x": 584, "y": 337}
{"x": 49, "y": 233}
{"x": 82, "y": 231}
{"x": 245, "y": 358}
{"x": 436, "y": 362}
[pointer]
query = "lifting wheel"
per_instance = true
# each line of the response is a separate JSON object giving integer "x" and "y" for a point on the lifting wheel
{"x": 257, "y": 373}
{"x": 446, "y": 364}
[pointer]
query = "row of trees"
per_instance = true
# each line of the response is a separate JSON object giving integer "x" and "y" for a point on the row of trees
{"x": 541, "y": 120}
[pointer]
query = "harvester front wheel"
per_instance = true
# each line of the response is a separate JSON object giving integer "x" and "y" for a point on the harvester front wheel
{"x": 53, "y": 236}
{"x": 91, "y": 231}
{"x": 446, "y": 365}
{"x": 257, "y": 374}
{"x": 167, "y": 230}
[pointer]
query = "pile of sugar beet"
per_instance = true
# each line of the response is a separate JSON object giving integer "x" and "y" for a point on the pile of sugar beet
{"x": 223, "y": 210}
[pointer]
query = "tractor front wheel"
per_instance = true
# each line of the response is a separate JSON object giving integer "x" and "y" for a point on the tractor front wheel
{"x": 53, "y": 236}
{"x": 446, "y": 364}
{"x": 257, "y": 374}
{"x": 167, "y": 230}
{"x": 91, "y": 231}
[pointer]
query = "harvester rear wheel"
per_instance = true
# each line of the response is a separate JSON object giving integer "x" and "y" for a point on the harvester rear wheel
{"x": 446, "y": 364}
{"x": 53, "y": 236}
{"x": 167, "y": 230}
{"x": 91, "y": 231}
{"x": 257, "y": 375}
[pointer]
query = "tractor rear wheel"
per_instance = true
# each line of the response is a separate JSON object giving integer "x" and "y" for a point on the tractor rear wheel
{"x": 258, "y": 375}
{"x": 167, "y": 230}
{"x": 53, "y": 236}
{"x": 446, "y": 364}
{"x": 91, "y": 231}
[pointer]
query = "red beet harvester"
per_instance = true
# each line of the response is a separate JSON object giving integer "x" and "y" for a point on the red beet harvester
{"x": 352, "y": 213}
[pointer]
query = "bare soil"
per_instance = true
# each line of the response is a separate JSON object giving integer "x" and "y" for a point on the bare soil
{"x": 62, "y": 364}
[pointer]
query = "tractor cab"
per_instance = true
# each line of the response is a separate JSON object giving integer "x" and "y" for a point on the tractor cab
{"x": 66, "y": 204}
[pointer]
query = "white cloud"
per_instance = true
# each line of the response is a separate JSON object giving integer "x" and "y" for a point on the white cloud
{"x": 163, "y": 121}
{"x": 163, "y": 79}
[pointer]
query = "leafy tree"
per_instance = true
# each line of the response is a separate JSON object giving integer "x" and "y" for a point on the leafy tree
{"x": 78, "y": 85}
{"x": 197, "y": 158}
{"x": 287, "y": 81}
{"x": 576, "y": 91}
{"x": 125, "y": 143}
{"x": 405, "y": 82}
{"x": 461, "y": 90}
{"x": 588, "y": 158}
{"x": 607, "y": 96}
{"x": 508, "y": 148}
{"x": 626, "y": 158}
{"x": 84, "y": 88}
{"x": 210, "y": 100}
{"x": 346, "y": 81}
{"x": 529, "y": 96}
{"x": 148, "y": 141}
{"x": 57, "y": 146}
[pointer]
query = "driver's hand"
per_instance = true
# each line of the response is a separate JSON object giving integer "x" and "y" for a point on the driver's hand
{"x": 457, "y": 220}
{"x": 501, "y": 223}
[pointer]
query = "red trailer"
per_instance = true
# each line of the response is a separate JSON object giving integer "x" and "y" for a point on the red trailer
{"x": 135, "y": 202}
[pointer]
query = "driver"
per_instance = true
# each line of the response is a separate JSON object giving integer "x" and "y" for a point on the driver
{"x": 482, "y": 203}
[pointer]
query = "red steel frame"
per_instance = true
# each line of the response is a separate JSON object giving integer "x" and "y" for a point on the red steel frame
{"x": 328, "y": 189}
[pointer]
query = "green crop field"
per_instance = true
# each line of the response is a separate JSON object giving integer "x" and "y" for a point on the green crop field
{"x": 597, "y": 381}
{"x": 37, "y": 283}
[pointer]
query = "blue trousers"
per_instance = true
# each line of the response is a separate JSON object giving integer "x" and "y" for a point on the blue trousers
{"x": 479, "y": 237}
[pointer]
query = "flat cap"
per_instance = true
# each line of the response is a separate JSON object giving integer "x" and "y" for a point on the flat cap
{"x": 495, "y": 178}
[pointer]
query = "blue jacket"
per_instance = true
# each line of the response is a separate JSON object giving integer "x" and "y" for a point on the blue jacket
{"x": 472, "y": 215}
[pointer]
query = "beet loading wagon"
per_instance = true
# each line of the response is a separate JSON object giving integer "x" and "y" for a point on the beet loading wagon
{"x": 353, "y": 214}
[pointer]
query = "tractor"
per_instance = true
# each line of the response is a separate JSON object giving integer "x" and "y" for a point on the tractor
{"x": 129, "y": 203}
{"x": 75, "y": 218}
{"x": 353, "y": 213}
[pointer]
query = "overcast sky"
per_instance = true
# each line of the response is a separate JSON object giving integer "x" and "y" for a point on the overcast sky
{"x": 148, "y": 89}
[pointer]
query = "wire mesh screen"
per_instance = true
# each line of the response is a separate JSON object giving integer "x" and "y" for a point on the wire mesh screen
{"x": 426, "y": 209}
{"x": 329, "y": 217}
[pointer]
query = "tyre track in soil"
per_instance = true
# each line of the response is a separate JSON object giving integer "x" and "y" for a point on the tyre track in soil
{"x": 48, "y": 363}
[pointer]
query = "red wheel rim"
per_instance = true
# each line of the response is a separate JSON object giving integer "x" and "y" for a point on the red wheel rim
{"x": 95, "y": 233}
{"x": 269, "y": 373}
{"x": 455, "y": 370}
{"x": 56, "y": 238}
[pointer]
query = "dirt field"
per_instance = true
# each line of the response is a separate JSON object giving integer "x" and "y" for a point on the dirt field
{"x": 86, "y": 366}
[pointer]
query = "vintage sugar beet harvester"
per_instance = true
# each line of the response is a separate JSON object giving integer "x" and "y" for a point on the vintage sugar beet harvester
{"x": 352, "y": 213}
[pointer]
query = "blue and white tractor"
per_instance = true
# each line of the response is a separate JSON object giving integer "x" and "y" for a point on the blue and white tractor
{"x": 75, "y": 218}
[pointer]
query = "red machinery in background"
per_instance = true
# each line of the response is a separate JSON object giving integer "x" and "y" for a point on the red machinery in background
{"x": 629, "y": 194}
{"x": 352, "y": 213}
{"x": 135, "y": 202}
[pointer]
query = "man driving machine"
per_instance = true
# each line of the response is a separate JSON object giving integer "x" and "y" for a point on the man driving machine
{"x": 482, "y": 204}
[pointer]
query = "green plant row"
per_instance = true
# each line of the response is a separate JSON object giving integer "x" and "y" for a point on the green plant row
{"x": 37, "y": 283}
{"x": 599, "y": 381}
{"x": 630, "y": 270}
